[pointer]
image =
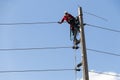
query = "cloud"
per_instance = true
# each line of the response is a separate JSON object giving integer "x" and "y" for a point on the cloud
{"x": 103, "y": 76}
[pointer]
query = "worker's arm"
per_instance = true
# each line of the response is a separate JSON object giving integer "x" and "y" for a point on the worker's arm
{"x": 60, "y": 22}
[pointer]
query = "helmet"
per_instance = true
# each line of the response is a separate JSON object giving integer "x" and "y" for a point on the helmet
{"x": 65, "y": 12}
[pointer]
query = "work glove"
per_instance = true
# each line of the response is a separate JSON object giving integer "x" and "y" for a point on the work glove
{"x": 59, "y": 22}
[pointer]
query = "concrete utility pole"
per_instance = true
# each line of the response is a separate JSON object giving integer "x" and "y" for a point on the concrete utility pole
{"x": 83, "y": 46}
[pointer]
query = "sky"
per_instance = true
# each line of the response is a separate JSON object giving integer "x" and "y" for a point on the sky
{"x": 57, "y": 35}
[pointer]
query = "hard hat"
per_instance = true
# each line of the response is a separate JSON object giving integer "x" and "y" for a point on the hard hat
{"x": 65, "y": 12}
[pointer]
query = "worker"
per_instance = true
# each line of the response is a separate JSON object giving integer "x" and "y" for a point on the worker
{"x": 73, "y": 26}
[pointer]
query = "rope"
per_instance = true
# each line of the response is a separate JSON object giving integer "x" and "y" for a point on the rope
{"x": 75, "y": 59}
{"x": 71, "y": 35}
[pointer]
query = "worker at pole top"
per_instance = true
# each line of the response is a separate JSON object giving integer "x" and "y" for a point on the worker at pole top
{"x": 74, "y": 28}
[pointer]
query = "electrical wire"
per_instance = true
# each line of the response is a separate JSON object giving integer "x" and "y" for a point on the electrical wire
{"x": 96, "y": 16}
{"x": 44, "y": 48}
{"x": 50, "y": 70}
{"x": 46, "y": 70}
{"x": 104, "y": 52}
{"x": 103, "y": 28}
{"x": 27, "y": 23}
{"x": 31, "y": 23}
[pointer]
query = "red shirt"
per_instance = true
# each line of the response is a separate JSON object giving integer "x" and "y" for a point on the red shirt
{"x": 67, "y": 18}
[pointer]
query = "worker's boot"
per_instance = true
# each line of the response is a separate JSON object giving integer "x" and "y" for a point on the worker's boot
{"x": 77, "y": 41}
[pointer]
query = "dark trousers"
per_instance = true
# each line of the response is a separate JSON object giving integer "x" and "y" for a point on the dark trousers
{"x": 75, "y": 31}
{"x": 74, "y": 28}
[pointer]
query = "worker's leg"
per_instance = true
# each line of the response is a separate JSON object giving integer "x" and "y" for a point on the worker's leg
{"x": 75, "y": 36}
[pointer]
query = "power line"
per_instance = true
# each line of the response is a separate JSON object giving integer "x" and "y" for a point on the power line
{"x": 27, "y": 23}
{"x": 46, "y": 70}
{"x": 103, "y": 28}
{"x": 96, "y": 16}
{"x": 50, "y": 70}
{"x": 44, "y": 48}
{"x": 104, "y": 52}
{"x": 33, "y": 23}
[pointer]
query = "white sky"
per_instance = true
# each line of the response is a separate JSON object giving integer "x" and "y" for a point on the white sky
{"x": 97, "y": 76}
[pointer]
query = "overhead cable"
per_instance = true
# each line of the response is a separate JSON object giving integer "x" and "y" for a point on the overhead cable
{"x": 26, "y": 23}
{"x": 96, "y": 16}
{"x": 19, "y": 49}
{"x": 44, "y": 48}
{"x": 104, "y": 52}
{"x": 103, "y": 28}
{"x": 46, "y": 70}
{"x": 30, "y": 23}
{"x": 51, "y": 70}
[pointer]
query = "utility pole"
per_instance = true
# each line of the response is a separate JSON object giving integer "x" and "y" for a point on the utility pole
{"x": 83, "y": 46}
